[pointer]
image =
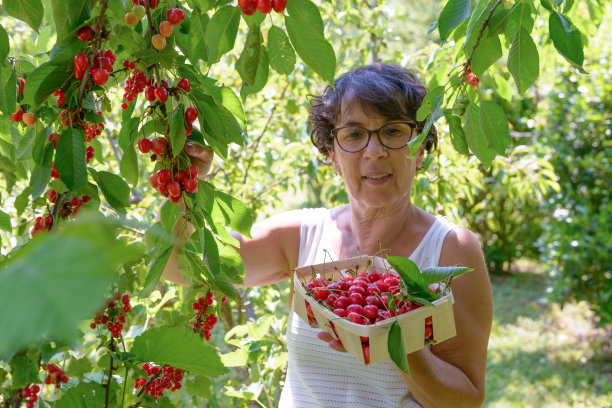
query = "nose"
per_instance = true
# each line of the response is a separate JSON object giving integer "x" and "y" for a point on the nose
{"x": 374, "y": 149}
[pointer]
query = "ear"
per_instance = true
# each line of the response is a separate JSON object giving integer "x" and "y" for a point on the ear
{"x": 332, "y": 157}
{"x": 420, "y": 157}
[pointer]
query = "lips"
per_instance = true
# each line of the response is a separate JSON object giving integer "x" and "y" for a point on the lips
{"x": 378, "y": 175}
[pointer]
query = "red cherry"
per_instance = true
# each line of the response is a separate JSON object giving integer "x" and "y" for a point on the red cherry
{"x": 355, "y": 308}
{"x": 99, "y": 76}
{"x": 153, "y": 180}
{"x": 150, "y": 93}
{"x": 265, "y": 6}
{"x": 21, "y": 85}
{"x": 175, "y": 16}
{"x": 144, "y": 145}
{"x": 191, "y": 185}
{"x": 184, "y": 84}
{"x": 158, "y": 145}
{"x": 177, "y": 198}
{"x": 153, "y": 3}
{"x": 192, "y": 171}
{"x": 85, "y": 33}
{"x": 161, "y": 94}
{"x": 355, "y": 318}
{"x": 80, "y": 65}
{"x": 191, "y": 114}
{"x": 17, "y": 116}
{"x": 340, "y": 312}
{"x": 370, "y": 311}
{"x": 248, "y": 7}
{"x": 366, "y": 354}
{"x": 342, "y": 303}
{"x": 61, "y": 101}
{"x": 105, "y": 62}
{"x": 279, "y": 5}
{"x": 124, "y": 106}
{"x": 165, "y": 28}
{"x": 174, "y": 189}
{"x": 163, "y": 177}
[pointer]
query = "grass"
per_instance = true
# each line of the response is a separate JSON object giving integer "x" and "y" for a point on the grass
{"x": 542, "y": 354}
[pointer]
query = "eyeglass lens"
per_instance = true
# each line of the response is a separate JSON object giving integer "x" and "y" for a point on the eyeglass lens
{"x": 392, "y": 136}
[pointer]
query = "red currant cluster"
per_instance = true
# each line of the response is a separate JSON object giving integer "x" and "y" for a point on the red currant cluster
{"x": 204, "y": 321}
{"x": 56, "y": 375}
{"x": 166, "y": 378}
{"x": 471, "y": 78}
{"x": 92, "y": 130}
{"x": 249, "y": 7}
{"x": 113, "y": 316}
{"x": 172, "y": 185}
{"x": 135, "y": 84}
{"x": 30, "y": 394}
{"x": 61, "y": 97}
{"x": 41, "y": 223}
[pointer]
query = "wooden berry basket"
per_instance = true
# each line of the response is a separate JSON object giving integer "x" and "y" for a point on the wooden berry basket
{"x": 349, "y": 333}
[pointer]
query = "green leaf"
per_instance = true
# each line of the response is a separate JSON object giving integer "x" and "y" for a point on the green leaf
{"x": 477, "y": 18}
{"x": 159, "y": 345}
{"x": 409, "y": 272}
{"x": 80, "y": 259}
{"x": 29, "y": 11}
{"x": 115, "y": 189}
{"x": 475, "y": 137}
{"x": 24, "y": 371}
{"x": 457, "y": 134}
{"x": 248, "y": 62}
{"x": 78, "y": 367}
{"x": 5, "y": 221}
{"x": 155, "y": 273}
{"x": 128, "y": 167}
{"x": 8, "y": 82}
{"x": 169, "y": 215}
{"x": 486, "y": 54}
{"x": 305, "y": 28}
{"x": 69, "y": 16}
{"x": 45, "y": 80}
{"x": 201, "y": 386}
{"x": 453, "y": 14}
{"x": 232, "y": 211}
{"x": 520, "y": 17}
{"x": 210, "y": 252}
{"x": 396, "y": 348}
{"x": 197, "y": 33}
{"x": 177, "y": 131}
{"x": 261, "y": 78}
{"x": 495, "y": 127}
{"x": 128, "y": 133}
{"x": 221, "y": 32}
{"x": 440, "y": 273}
{"x": 546, "y": 4}
{"x": 282, "y": 54}
{"x": 42, "y": 173}
{"x": 566, "y": 38}
{"x": 431, "y": 100}
{"x": 523, "y": 61}
{"x": 86, "y": 395}
{"x": 70, "y": 159}
{"x": 5, "y": 46}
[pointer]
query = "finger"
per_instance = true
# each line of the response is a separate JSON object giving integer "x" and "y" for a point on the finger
{"x": 336, "y": 345}
{"x": 325, "y": 336}
{"x": 197, "y": 151}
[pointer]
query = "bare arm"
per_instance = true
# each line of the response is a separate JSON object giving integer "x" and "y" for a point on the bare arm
{"x": 268, "y": 256}
{"x": 453, "y": 372}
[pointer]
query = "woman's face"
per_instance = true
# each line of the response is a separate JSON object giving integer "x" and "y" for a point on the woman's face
{"x": 375, "y": 177}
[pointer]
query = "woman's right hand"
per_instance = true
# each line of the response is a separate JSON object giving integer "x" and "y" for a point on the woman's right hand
{"x": 201, "y": 157}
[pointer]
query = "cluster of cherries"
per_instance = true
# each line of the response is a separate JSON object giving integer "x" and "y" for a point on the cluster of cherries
{"x": 56, "y": 375}
{"x": 172, "y": 185}
{"x": 30, "y": 395}
{"x": 69, "y": 208}
{"x": 174, "y": 17}
{"x": 60, "y": 96}
{"x": 471, "y": 79}
{"x": 165, "y": 378}
{"x": 249, "y": 7}
{"x": 101, "y": 69}
{"x": 28, "y": 118}
{"x": 204, "y": 321}
{"x": 41, "y": 223}
{"x": 135, "y": 84}
{"x": 113, "y": 315}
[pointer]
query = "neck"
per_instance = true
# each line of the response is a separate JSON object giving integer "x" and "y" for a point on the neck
{"x": 374, "y": 229}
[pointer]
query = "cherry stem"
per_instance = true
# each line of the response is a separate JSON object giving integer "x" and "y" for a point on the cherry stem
{"x": 155, "y": 69}
{"x": 485, "y": 23}
{"x": 110, "y": 374}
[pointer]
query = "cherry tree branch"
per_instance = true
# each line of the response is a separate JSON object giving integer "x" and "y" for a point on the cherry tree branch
{"x": 485, "y": 23}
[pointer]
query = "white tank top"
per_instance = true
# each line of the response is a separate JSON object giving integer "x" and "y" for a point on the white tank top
{"x": 317, "y": 375}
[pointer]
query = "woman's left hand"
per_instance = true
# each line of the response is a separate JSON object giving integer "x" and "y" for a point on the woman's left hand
{"x": 333, "y": 343}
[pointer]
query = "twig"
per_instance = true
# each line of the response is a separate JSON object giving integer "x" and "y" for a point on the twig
{"x": 155, "y": 69}
{"x": 485, "y": 23}
{"x": 110, "y": 374}
{"x": 263, "y": 132}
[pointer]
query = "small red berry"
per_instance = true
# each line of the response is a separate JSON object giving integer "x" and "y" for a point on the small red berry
{"x": 150, "y": 93}
{"x": 175, "y": 16}
{"x": 191, "y": 114}
{"x": 92, "y": 325}
{"x": 161, "y": 94}
{"x": 190, "y": 185}
{"x": 153, "y": 180}
{"x": 99, "y": 76}
{"x": 125, "y": 299}
{"x": 279, "y": 5}
{"x": 80, "y": 65}
{"x": 174, "y": 189}
{"x": 265, "y": 6}
{"x": 158, "y": 145}
{"x": 17, "y": 116}
{"x": 163, "y": 176}
{"x": 22, "y": 84}
{"x": 144, "y": 145}
{"x": 126, "y": 308}
{"x": 184, "y": 84}
{"x": 248, "y": 7}
{"x": 124, "y": 106}
{"x": 192, "y": 172}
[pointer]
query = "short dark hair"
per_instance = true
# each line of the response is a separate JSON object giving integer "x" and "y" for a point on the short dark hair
{"x": 391, "y": 91}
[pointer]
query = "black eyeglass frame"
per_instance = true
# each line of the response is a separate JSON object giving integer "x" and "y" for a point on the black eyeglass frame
{"x": 334, "y": 133}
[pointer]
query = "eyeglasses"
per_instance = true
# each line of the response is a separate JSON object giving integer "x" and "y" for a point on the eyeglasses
{"x": 395, "y": 135}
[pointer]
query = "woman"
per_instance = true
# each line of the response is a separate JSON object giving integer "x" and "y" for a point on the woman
{"x": 363, "y": 125}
